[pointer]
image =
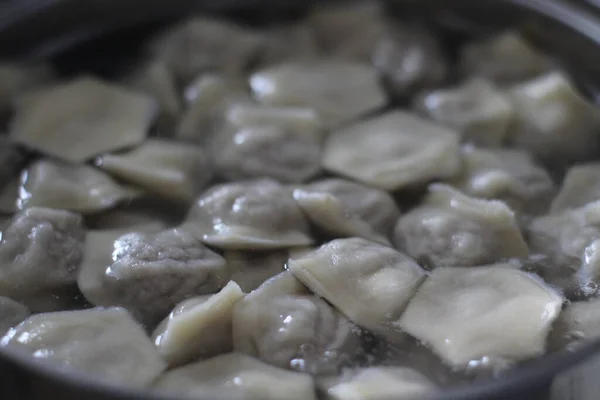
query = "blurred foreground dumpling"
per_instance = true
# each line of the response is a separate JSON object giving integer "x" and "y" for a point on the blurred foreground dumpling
{"x": 580, "y": 186}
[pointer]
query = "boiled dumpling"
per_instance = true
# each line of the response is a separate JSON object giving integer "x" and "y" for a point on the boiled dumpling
{"x": 377, "y": 383}
{"x": 173, "y": 170}
{"x": 236, "y": 377}
{"x": 509, "y": 175}
{"x": 12, "y": 313}
{"x": 250, "y": 269}
{"x": 254, "y": 215}
{"x": 369, "y": 283}
{"x": 580, "y": 186}
{"x": 77, "y": 120}
{"x": 553, "y": 121}
{"x": 452, "y": 229}
{"x": 577, "y": 324}
{"x": 106, "y": 343}
{"x": 503, "y": 58}
{"x": 200, "y": 327}
{"x": 339, "y": 90}
{"x": 408, "y": 59}
{"x": 493, "y": 312}
{"x": 78, "y": 188}
{"x": 293, "y": 330}
{"x": 393, "y": 151}
{"x": 289, "y": 42}
{"x": 476, "y": 109}
{"x": 40, "y": 251}
{"x": 203, "y": 44}
{"x": 345, "y": 208}
{"x": 152, "y": 272}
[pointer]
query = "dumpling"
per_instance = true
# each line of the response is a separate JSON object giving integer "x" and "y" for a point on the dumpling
{"x": 40, "y": 251}
{"x": 293, "y": 330}
{"x": 172, "y": 170}
{"x": 202, "y": 44}
{"x": 577, "y": 324}
{"x": 554, "y": 122}
{"x": 480, "y": 112}
{"x": 12, "y": 313}
{"x": 78, "y": 188}
{"x": 369, "y": 283}
{"x": 82, "y": 118}
{"x": 250, "y": 269}
{"x": 409, "y": 58}
{"x": 340, "y": 91}
{"x": 377, "y": 383}
{"x": 236, "y": 377}
{"x": 347, "y": 209}
{"x": 104, "y": 343}
{"x": 198, "y": 328}
{"x": 509, "y": 175}
{"x": 292, "y": 41}
{"x": 252, "y": 215}
{"x": 494, "y": 312}
{"x": 452, "y": 229}
{"x": 503, "y": 58}
{"x": 580, "y": 186}
{"x": 152, "y": 272}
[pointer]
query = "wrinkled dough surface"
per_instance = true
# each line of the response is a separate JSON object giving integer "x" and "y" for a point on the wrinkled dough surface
{"x": 508, "y": 175}
{"x": 294, "y": 331}
{"x": 568, "y": 245}
{"x": 172, "y": 170}
{"x": 452, "y": 229}
{"x": 580, "y": 186}
{"x": 107, "y": 343}
{"x": 78, "y": 188}
{"x": 345, "y": 208}
{"x": 236, "y": 376}
{"x": 465, "y": 314}
{"x": 40, "y": 250}
{"x": 480, "y": 112}
{"x": 82, "y": 118}
{"x": 369, "y": 283}
{"x": 339, "y": 91}
{"x": 393, "y": 151}
{"x": 377, "y": 383}
{"x": 553, "y": 121}
{"x": 202, "y": 44}
{"x": 251, "y": 269}
{"x": 267, "y": 151}
{"x": 257, "y": 215}
{"x": 409, "y": 58}
{"x": 577, "y": 324}
{"x": 12, "y": 313}
{"x": 152, "y": 272}
{"x": 198, "y": 328}
{"x": 504, "y": 58}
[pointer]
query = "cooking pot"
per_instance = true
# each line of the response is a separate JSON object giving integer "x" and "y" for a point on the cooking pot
{"x": 102, "y": 36}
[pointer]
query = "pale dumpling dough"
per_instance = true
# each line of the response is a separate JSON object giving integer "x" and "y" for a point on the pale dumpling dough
{"x": 200, "y": 327}
{"x": 452, "y": 229}
{"x": 393, "y": 151}
{"x": 580, "y": 186}
{"x": 377, "y": 383}
{"x": 577, "y": 324}
{"x": 285, "y": 325}
{"x": 78, "y": 188}
{"x": 466, "y": 314}
{"x": 476, "y": 109}
{"x": 503, "y": 58}
{"x": 12, "y": 313}
{"x": 369, "y": 283}
{"x": 203, "y": 44}
{"x": 238, "y": 377}
{"x": 340, "y": 91}
{"x": 553, "y": 121}
{"x": 345, "y": 208}
{"x": 256, "y": 215}
{"x": 107, "y": 343}
{"x": 85, "y": 117}
{"x": 173, "y": 170}
{"x": 250, "y": 269}
{"x": 289, "y": 41}
{"x": 567, "y": 246}
{"x": 509, "y": 175}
